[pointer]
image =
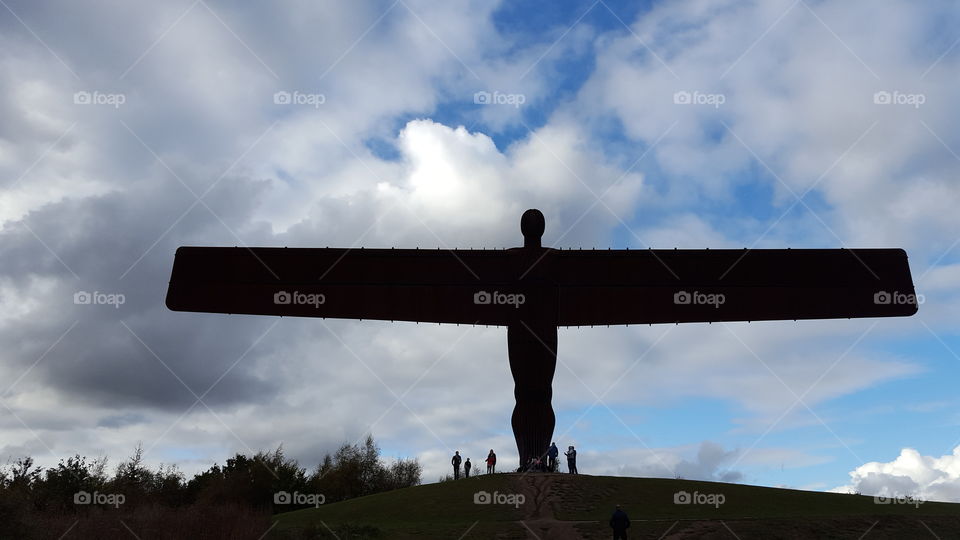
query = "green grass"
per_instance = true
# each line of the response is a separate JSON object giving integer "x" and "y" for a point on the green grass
{"x": 447, "y": 510}
{"x": 591, "y": 497}
{"x": 444, "y": 510}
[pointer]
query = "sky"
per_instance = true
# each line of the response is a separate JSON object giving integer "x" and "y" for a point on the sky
{"x": 129, "y": 129}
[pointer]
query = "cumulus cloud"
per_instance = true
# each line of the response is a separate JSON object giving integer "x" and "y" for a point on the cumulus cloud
{"x": 910, "y": 474}
{"x": 452, "y": 181}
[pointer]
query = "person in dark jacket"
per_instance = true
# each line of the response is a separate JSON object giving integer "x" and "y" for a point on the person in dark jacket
{"x": 552, "y": 453}
{"x": 571, "y": 460}
{"x": 466, "y": 468}
{"x": 619, "y": 522}
{"x": 455, "y": 461}
{"x": 491, "y": 462}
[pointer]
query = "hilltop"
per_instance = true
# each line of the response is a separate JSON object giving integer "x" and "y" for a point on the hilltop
{"x": 560, "y": 506}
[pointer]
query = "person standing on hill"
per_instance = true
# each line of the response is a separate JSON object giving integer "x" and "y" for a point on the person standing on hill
{"x": 456, "y": 465}
{"x": 571, "y": 460}
{"x": 552, "y": 453}
{"x": 619, "y": 522}
{"x": 466, "y": 468}
{"x": 491, "y": 462}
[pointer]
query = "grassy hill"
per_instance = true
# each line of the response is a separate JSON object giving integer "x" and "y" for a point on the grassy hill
{"x": 559, "y": 506}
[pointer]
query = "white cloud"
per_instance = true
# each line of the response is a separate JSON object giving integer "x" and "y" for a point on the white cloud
{"x": 453, "y": 188}
{"x": 910, "y": 474}
{"x": 798, "y": 97}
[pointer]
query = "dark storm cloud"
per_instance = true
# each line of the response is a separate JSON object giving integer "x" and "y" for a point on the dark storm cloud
{"x": 100, "y": 239}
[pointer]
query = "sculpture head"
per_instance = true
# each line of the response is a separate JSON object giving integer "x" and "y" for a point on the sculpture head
{"x": 532, "y": 225}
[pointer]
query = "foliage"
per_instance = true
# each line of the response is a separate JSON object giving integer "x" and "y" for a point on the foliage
{"x": 80, "y": 489}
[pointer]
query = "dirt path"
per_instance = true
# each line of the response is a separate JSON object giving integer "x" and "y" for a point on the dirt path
{"x": 541, "y": 502}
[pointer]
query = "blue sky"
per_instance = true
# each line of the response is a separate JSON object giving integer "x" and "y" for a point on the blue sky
{"x": 801, "y": 151}
{"x": 862, "y": 421}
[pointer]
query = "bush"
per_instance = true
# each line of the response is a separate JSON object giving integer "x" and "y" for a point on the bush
{"x": 355, "y": 471}
{"x": 237, "y": 497}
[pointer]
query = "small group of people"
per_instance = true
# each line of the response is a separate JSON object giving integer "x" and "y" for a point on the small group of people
{"x": 549, "y": 463}
{"x": 619, "y": 521}
{"x": 457, "y": 460}
{"x": 546, "y": 463}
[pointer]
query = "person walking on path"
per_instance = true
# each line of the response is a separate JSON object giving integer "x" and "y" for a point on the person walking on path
{"x": 571, "y": 460}
{"x": 456, "y": 465}
{"x": 619, "y": 522}
{"x": 491, "y": 462}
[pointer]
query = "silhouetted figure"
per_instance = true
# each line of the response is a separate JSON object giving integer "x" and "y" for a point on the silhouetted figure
{"x": 456, "y": 465}
{"x": 491, "y": 462}
{"x": 466, "y": 468}
{"x": 532, "y": 344}
{"x": 552, "y": 454}
{"x": 532, "y": 290}
{"x": 619, "y": 522}
{"x": 571, "y": 454}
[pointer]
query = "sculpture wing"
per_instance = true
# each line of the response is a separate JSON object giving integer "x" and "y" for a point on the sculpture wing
{"x": 385, "y": 284}
{"x": 674, "y": 286}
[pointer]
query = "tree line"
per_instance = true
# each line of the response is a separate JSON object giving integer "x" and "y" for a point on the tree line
{"x": 266, "y": 482}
